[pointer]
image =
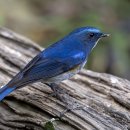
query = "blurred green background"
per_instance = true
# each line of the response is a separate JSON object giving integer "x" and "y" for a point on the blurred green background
{"x": 46, "y": 21}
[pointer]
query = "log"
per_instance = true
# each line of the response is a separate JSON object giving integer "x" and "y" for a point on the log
{"x": 106, "y": 98}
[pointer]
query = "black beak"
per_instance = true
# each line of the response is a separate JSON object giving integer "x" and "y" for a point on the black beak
{"x": 105, "y": 35}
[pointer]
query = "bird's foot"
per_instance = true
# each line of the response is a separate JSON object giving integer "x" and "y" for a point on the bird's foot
{"x": 63, "y": 95}
{"x": 72, "y": 107}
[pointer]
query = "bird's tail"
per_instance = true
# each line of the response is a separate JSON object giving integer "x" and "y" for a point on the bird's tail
{"x": 5, "y": 90}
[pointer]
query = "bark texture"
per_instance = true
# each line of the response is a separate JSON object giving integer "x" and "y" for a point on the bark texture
{"x": 106, "y": 98}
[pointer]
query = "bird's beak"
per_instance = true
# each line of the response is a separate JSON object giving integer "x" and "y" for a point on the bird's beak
{"x": 105, "y": 35}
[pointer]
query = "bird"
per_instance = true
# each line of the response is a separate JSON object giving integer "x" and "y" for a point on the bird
{"x": 60, "y": 61}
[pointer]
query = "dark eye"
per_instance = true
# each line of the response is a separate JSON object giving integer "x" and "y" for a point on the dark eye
{"x": 91, "y": 35}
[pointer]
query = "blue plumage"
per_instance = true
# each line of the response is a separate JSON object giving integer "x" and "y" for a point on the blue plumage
{"x": 58, "y": 62}
{"x": 5, "y": 91}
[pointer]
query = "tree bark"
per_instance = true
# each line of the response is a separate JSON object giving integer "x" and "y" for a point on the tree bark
{"x": 106, "y": 98}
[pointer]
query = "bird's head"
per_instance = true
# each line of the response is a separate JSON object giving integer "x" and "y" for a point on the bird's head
{"x": 88, "y": 36}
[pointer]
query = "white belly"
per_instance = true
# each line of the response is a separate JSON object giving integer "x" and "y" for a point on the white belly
{"x": 66, "y": 75}
{"x": 62, "y": 77}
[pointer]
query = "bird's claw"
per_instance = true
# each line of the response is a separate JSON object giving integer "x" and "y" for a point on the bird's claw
{"x": 71, "y": 108}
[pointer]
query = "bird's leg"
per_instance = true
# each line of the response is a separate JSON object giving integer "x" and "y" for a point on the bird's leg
{"x": 63, "y": 96}
{"x": 57, "y": 91}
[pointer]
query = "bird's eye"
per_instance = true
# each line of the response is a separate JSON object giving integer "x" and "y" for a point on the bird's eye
{"x": 91, "y": 35}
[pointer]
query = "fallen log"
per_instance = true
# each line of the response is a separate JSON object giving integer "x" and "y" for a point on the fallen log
{"x": 106, "y": 98}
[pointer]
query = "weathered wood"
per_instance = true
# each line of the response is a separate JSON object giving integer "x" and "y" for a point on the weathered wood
{"x": 106, "y": 97}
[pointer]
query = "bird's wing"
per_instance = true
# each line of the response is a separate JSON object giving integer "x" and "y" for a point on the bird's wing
{"x": 49, "y": 68}
{"x": 32, "y": 63}
{"x": 45, "y": 68}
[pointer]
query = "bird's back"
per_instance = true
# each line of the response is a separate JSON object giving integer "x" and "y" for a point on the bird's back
{"x": 62, "y": 58}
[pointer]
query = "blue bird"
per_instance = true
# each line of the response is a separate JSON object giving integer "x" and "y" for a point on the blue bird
{"x": 58, "y": 62}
